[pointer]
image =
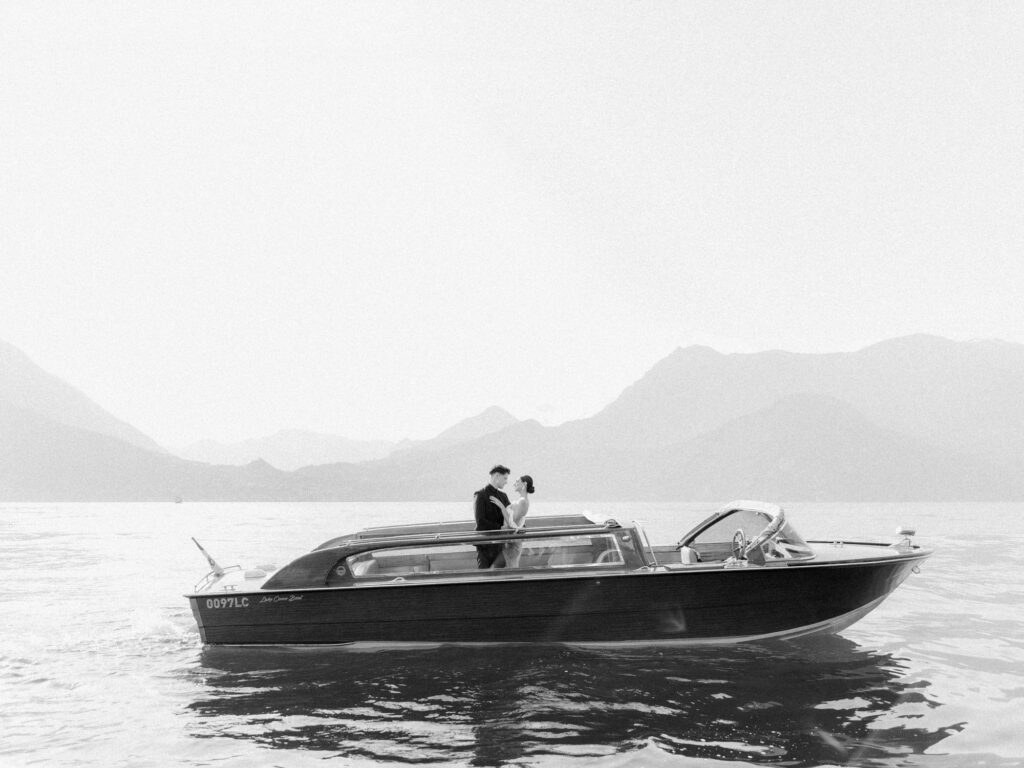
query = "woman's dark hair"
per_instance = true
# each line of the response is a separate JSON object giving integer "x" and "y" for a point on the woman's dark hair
{"x": 529, "y": 483}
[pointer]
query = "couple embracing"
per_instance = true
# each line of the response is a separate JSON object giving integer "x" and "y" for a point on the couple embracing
{"x": 494, "y": 512}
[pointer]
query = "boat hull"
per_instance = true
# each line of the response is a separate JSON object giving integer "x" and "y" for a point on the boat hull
{"x": 660, "y": 606}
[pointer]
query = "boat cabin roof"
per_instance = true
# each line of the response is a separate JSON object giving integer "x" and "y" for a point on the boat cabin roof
{"x": 552, "y": 533}
{"x": 461, "y": 527}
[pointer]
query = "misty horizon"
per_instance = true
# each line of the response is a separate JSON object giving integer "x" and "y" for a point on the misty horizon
{"x": 918, "y": 417}
{"x": 373, "y": 220}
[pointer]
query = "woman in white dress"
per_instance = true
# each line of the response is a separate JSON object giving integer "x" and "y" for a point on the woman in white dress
{"x": 515, "y": 515}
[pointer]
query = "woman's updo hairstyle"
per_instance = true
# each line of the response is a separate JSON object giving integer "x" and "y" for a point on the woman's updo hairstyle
{"x": 529, "y": 483}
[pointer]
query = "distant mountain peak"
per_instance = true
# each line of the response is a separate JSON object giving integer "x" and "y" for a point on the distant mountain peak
{"x": 929, "y": 346}
{"x": 491, "y": 419}
{"x": 25, "y": 385}
{"x": 681, "y": 357}
{"x": 994, "y": 343}
{"x": 496, "y": 411}
{"x": 695, "y": 350}
{"x": 9, "y": 352}
{"x": 914, "y": 340}
{"x": 261, "y": 464}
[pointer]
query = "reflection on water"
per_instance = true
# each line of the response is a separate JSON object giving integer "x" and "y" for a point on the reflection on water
{"x": 817, "y": 701}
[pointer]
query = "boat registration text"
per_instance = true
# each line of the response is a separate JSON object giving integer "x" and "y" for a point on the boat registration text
{"x": 227, "y": 602}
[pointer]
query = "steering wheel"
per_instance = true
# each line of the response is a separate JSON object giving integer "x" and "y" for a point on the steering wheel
{"x": 739, "y": 544}
{"x": 608, "y": 556}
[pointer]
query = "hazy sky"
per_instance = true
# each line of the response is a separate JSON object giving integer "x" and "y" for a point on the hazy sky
{"x": 220, "y": 219}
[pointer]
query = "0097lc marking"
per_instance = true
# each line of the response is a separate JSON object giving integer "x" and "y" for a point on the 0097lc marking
{"x": 227, "y": 602}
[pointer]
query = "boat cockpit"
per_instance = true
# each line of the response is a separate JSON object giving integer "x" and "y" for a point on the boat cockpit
{"x": 744, "y": 531}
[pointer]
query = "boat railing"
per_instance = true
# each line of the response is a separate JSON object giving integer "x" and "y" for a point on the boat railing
{"x": 212, "y": 576}
{"x": 459, "y": 527}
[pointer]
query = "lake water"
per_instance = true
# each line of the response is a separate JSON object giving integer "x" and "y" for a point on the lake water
{"x": 101, "y": 663}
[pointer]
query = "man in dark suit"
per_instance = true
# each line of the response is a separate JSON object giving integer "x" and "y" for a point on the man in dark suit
{"x": 489, "y": 511}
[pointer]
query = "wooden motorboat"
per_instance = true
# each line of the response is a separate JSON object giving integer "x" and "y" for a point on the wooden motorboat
{"x": 742, "y": 574}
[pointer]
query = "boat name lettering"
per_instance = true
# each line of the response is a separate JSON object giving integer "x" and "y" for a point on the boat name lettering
{"x": 280, "y": 598}
{"x": 227, "y": 602}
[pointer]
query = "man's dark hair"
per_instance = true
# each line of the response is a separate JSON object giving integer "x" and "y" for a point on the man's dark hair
{"x": 500, "y": 469}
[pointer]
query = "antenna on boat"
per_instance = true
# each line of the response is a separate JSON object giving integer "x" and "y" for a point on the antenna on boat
{"x": 217, "y": 570}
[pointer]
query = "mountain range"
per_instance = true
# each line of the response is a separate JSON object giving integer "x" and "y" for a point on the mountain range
{"x": 288, "y": 449}
{"x": 915, "y": 418}
{"x": 293, "y": 448}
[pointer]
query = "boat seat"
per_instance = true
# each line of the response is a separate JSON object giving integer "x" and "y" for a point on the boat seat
{"x": 563, "y": 557}
{"x": 452, "y": 561}
{"x": 713, "y": 553}
{"x": 532, "y": 560}
{"x": 366, "y": 568}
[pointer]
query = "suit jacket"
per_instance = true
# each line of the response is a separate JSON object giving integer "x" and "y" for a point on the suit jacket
{"x": 488, "y": 515}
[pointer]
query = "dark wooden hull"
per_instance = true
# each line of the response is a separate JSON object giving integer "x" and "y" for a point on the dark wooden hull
{"x": 680, "y": 606}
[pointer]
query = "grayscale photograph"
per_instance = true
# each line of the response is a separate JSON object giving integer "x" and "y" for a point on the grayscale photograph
{"x": 613, "y": 384}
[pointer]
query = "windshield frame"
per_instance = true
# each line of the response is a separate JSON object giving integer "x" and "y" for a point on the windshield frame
{"x": 778, "y": 539}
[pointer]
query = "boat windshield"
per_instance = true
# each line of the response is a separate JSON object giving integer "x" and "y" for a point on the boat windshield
{"x": 789, "y": 544}
{"x": 556, "y": 552}
{"x": 758, "y": 533}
